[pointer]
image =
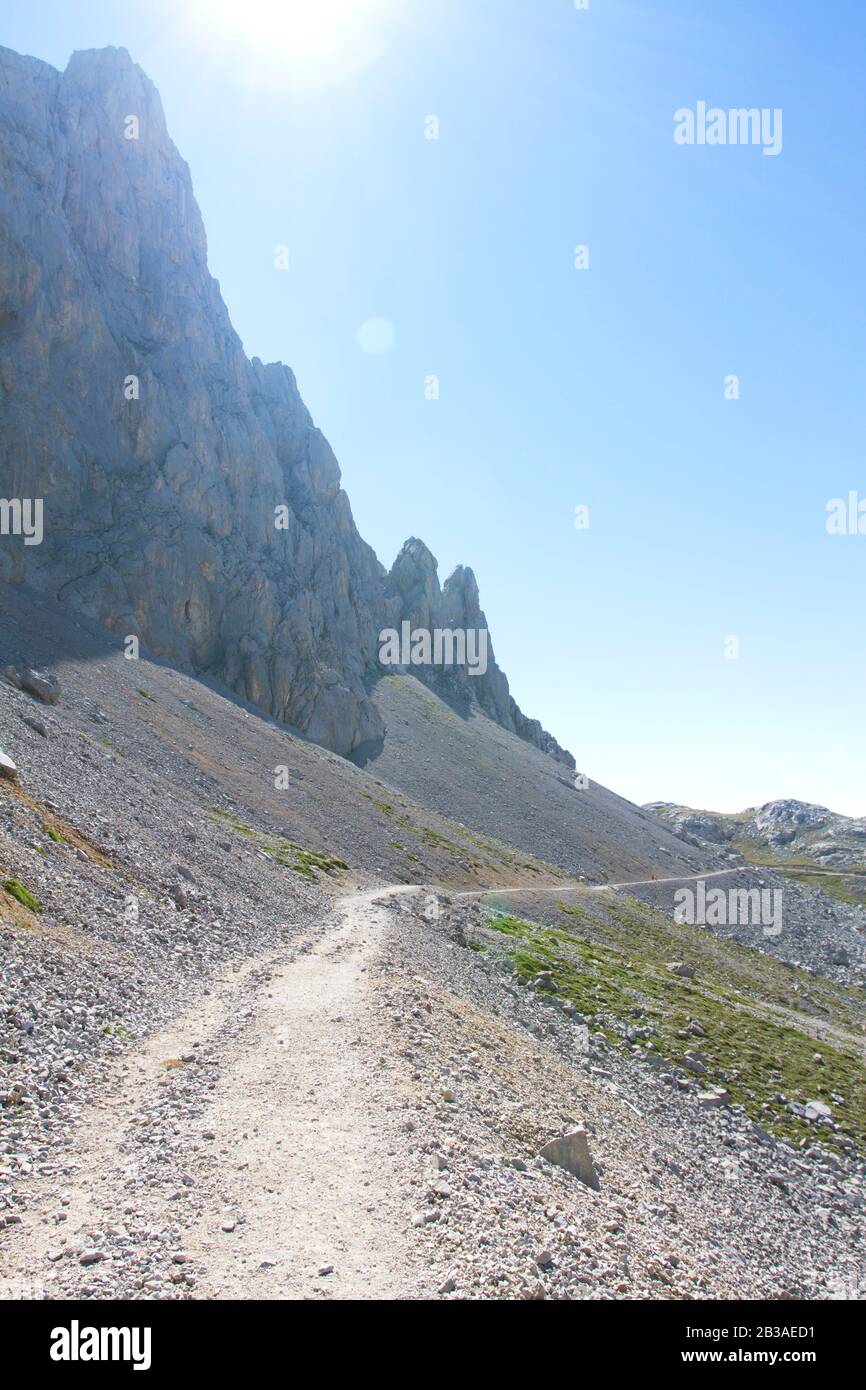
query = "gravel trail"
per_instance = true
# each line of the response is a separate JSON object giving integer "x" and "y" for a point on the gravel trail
{"x": 358, "y": 1113}
{"x": 289, "y": 1179}
{"x": 560, "y": 888}
{"x": 299, "y": 1104}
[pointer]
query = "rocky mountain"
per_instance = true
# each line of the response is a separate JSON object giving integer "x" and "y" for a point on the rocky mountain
{"x": 187, "y": 497}
{"x": 788, "y": 830}
{"x": 413, "y": 1018}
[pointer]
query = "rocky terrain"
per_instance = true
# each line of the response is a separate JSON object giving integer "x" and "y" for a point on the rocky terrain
{"x": 414, "y": 1171}
{"x": 473, "y": 770}
{"x": 321, "y": 979}
{"x": 807, "y": 843}
{"x": 250, "y": 1048}
{"x": 209, "y": 520}
{"x": 791, "y": 829}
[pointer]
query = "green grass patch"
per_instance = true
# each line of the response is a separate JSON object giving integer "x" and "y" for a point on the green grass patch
{"x": 844, "y": 888}
{"x": 306, "y": 862}
{"x": 232, "y": 820}
{"x": 737, "y": 1013}
{"x": 23, "y": 895}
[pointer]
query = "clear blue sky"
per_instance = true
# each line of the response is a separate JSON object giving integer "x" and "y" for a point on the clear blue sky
{"x": 561, "y": 387}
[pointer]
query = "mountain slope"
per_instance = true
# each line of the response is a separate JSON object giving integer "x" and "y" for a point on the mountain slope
{"x": 467, "y": 767}
{"x": 220, "y": 984}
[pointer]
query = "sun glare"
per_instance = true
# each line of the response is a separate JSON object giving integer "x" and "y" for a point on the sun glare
{"x": 295, "y": 43}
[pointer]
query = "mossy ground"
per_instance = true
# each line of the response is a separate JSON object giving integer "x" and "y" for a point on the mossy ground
{"x": 16, "y": 889}
{"x": 115, "y": 1030}
{"x": 759, "y": 1019}
{"x": 306, "y": 862}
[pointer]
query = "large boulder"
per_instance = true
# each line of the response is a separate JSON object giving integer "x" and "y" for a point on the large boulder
{"x": 571, "y": 1152}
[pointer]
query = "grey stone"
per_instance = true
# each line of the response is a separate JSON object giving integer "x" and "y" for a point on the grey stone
{"x": 571, "y": 1152}
{"x": 679, "y": 967}
{"x": 818, "y": 1110}
{"x": 694, "y": 1063}
{"x": 35, "y": 724}
{"x": 710, "y": 1100}
{"x": 41, "y": 684}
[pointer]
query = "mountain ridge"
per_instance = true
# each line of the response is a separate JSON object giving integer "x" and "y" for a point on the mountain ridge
{"x": 786, "y": 826}
{"x": 208, "y": 517}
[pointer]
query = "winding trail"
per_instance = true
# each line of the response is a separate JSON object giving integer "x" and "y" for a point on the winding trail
{"x": 290, "y": 1140}
{"x": 530, "y": 888}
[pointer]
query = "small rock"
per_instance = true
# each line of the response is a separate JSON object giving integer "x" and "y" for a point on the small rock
{"x": 694, "y": 1063}
{"x": 709, "y": 1100}
{"x": 42, "y": 685}
{"x": 35, "y": 724}
{"x": 543, "y": 980}
{"x": 817, "y": 1110}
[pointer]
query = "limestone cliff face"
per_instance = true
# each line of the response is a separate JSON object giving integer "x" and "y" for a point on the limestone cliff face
{"x": 196, "y": 506}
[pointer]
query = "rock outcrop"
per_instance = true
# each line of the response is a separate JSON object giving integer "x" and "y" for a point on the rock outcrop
{"x": 571, "y": 1152}
{"x": 413, "y": 595}
{"x": 188, "y": 499}
{"x": 790, "y": 829}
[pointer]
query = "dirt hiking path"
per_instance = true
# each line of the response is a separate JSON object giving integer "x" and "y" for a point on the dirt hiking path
{"x": 299, "y": 1102}
{"x": 287, "y": 1151}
